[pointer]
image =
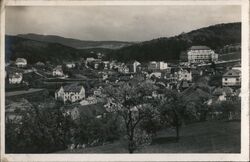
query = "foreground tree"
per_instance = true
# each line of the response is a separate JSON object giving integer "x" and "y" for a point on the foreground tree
{"x": 171, "y": 110}
{"x": 132, "y": 101}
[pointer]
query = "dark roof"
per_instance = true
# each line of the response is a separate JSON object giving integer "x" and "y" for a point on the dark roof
{"x": 199, "y": 48}
{"x": 72, "y": 88}
{"x": 232, "y": 72}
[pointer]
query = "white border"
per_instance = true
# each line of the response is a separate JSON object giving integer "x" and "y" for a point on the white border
{"x": 243, "y": 156}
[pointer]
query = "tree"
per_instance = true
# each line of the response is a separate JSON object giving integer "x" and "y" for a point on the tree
{"x": 171, "y": 110}
{"x": 42, "y": 130}
{"x": 132, "y": 102}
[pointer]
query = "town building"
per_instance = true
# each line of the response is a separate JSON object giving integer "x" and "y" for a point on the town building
{"x": 133, "y": 66}
{"x": 160, "y": 65}
{"x": 21, "y": 62}
{"x": 71, "y": 93}
{"x": 15, "y": 78}
{"x": 57, "y": 71}
{"x": 39, "y": 63}
{"x": 200, "y": 54}
{"x": 232, "y": 78}
{"x": 184, "y": 74}
{"x": 123, "y": 69}
{"x": 70, "y": 65}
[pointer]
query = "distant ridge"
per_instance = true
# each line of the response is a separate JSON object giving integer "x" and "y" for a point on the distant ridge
{"x": 169, "y": 49}
{"x": 75, "y": 43}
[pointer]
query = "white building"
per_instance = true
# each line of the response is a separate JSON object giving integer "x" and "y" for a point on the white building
{"x": 15, "y": 78}
{"x": 199, "y": 54}
{"x": 57, "y": 71}
{"x": 232, "y": 78}
{"x": 133, "y": 66}
{"x": 21, "y": 62}
{"x": 70, "y": 65}
{"x": 157, "y": 65}
{"x": 184, "y": 74}
{"x": 70, "y": 93}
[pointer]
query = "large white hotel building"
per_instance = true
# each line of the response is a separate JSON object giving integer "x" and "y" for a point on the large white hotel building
{"x": 199, "y": 54}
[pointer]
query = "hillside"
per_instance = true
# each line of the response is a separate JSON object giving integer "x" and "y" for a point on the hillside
{"x": 75, "y": 43}
{"x": 35, "y": 51}
{"x": 170, "y": 49}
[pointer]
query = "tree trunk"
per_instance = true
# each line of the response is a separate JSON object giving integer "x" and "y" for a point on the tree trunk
{"x": 177, "y": 132}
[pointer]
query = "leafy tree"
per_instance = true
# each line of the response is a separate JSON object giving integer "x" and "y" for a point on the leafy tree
{"x": 42, "y": 130}
{"x": 133, "y": 104}
{"x": 171, "y": 110}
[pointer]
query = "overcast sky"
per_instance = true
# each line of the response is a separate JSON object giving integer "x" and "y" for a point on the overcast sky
{"x": 124, "y": 23}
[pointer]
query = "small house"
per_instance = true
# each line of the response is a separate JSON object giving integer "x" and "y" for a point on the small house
{"x": 15, "y": 78}
{"x": 21, "y": 62}
{"x": 70, "y": 65}
{"x": 58, "y": 71}
{"x": 232, "y": 78}
{"x": 133, "y": 66}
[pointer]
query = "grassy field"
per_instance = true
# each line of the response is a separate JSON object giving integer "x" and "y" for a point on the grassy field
{"x": 204, "y": 137}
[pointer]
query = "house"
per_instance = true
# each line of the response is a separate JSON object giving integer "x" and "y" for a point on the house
{"x": 106, "y": 65}
{"x": 15, "y": 78}
{"x": 57, "y": 71}
{"x": 133, "y": 66}
{"x": 184, "y": 74}
{"x": 39, "y": 63}
{"x": 70, "y": 93}
{"x": 123, "y": 69}
{"x": 160, "y": 65}
{"x": 199, "y": 54}
{"x": 21, "y": 62}
{"x": 232, "y": 78}
{"x": 70, "y": 65}
{"x": 223, "y": 94}
{"x": 97, "y": 91}
{"x": 155, "y": 74}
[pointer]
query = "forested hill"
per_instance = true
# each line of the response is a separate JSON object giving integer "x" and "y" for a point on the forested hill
{"x": 169, "y": 49}
{"x": 35, "y": 51}
{"x": 75, "y": 43}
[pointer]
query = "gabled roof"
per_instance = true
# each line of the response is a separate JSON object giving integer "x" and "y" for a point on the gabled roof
{"x": 15, "y": 75}
{"x": 72, "y": 88}
{"x": 21, "y": 60}
{"x": 58, "y": 67}
{"x": 233, "y": 72}
{"x": 199, "y": 48}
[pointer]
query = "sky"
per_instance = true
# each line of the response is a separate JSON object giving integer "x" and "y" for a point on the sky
{"x": 121, "y": 23}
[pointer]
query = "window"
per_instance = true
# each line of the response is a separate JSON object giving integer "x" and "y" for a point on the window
{"x": 225, "y": 79}
{"x": 237, "y": 79}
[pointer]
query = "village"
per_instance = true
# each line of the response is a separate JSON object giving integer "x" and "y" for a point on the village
{"x": 80, "y": 86}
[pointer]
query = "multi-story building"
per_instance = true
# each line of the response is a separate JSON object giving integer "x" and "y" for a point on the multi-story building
{"x": 199, "y": 54}
{"x": 232, "y": 78}
{"x": 70, "y": 93}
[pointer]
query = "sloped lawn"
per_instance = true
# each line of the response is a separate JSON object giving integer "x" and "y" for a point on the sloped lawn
{"x": 204, "y": 137}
